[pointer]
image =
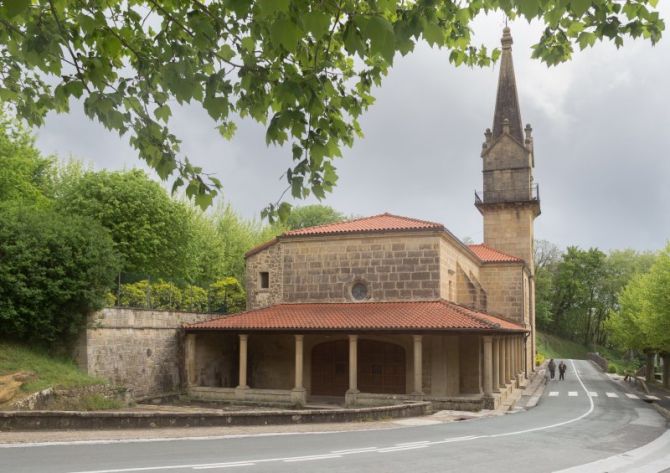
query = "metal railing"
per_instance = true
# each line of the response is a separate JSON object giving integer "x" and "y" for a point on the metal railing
{"x": 525, "y": 194}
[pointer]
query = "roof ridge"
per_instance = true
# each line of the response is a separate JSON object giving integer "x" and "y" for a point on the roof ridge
{"x": 359, "y": 219}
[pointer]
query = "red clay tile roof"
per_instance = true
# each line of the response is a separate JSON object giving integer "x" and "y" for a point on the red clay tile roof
{"x": 396, "y": 316}
{"x": 489, "y": 255}
{"x": 376, "y": 223}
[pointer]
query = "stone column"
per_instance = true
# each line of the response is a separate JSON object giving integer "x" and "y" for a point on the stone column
{"x": 496, "y": 365}
{"x": 298, "y": 395}
{"x": 488, "y": 366}
{"x": 515, "y": 358}
{"x": 503, "y": 362}
{"x": 240, "y": 390}
{"x": 418, "y": 365}
{"x": 350, "y": 396}
{"x": 189, "y": 354}
{"x": 508, "y": 360}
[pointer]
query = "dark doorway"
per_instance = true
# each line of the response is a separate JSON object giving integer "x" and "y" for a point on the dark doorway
{"x": 330, "y": 368}
{"x": 381, "y": 368}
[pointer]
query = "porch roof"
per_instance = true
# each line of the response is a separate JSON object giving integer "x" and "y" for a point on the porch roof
{"x": 435, "y": 315}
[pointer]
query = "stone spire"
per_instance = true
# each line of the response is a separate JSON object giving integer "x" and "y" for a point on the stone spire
{"x": 507, "y": 111}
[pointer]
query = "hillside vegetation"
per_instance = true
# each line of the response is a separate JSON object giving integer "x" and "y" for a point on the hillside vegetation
{"x": 49, "y": 371}
{"x": 551, "y": 346}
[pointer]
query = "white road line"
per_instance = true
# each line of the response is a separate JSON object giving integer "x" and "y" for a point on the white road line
{"x": 653, "y": 398}
{"x": 310, "y": 458}
{"x": 455, "y": 439}
{"x": 553, "y": 394}
{"x": 400, "y": 449}
{"x": 378, "y": 450}
{"x": 224, "y": 465}
{"x": 354, "y": 450}
{"x": 572, "y": 393}
{"x": 612, "y": 394}
{"x": 409, "y": 444}
{"x": 632, "y": 396}
{"x": 593, "y": 394}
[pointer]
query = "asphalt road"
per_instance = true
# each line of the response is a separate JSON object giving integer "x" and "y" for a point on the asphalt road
{"x": 583, "y": 419}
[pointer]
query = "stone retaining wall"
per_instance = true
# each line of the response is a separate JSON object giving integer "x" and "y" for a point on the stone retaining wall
{"x": 137, "y": 348}
{"x": 59, "y": 420}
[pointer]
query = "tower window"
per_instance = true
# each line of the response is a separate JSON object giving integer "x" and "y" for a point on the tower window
{"x": 265, "y": 280}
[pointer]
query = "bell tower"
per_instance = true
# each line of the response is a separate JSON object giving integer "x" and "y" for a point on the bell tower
{"x": 510, "y": 200}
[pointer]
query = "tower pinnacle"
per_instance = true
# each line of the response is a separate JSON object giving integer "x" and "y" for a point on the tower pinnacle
{"x": 507, "y": 101}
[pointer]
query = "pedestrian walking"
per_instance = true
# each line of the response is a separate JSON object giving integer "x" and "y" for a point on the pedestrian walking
{"x": 552, "y": 368}
{"x": 561, "y": 370}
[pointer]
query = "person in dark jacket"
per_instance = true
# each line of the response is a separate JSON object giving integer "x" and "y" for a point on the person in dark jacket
{"x": 561, "y": 370}
{"x": 552, "y": 368}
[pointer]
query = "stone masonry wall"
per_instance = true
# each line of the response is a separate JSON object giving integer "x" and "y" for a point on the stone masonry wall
{"x": 505, "y": 290}
{"x": 139, "y": 349}
{"x": 393, "y": 267}
{"x": 268, "y": 260}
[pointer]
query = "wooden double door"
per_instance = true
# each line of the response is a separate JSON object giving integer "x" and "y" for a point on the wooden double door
{"x": 381, "y": 368}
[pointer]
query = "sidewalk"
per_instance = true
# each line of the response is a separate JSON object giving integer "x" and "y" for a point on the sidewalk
{"x": 653, "y": 389}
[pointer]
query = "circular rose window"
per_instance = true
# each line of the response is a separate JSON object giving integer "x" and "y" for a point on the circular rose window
{"x": 359, "y": 291}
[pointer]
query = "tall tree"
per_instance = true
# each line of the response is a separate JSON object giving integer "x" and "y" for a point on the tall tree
{"x": 149, "y": 229}
{"x": 312, "y": 215}
{"x": 25, "y": 175}
{"x": 305, "y": 69}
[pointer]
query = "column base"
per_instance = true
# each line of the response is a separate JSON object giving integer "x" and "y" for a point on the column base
{"x": 351, "y": 397}
{"x": 418, "y": 396}
{"x": 299, "y": 396}
{"x": 241, "y": 392}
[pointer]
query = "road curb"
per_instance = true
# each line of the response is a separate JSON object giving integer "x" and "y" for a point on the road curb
{"x": 533, "y": 392}
{"x": 662, "y": 410}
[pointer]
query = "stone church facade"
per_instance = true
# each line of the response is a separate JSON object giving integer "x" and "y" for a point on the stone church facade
{"x": 389, "y": 307}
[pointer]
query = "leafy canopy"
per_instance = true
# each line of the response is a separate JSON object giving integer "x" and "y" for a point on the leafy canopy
{"x": 303, "y": 68}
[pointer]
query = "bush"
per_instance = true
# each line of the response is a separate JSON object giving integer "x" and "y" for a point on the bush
{"x": 539, "y": 359}
{"x": 227, "y": 295}
{"x": 194, "y": 299}
{"x": 165, "y": 296}
{"x": 134, "y": 295}
{"x": 612, "y": 368}
{"x": 54, "y": 270}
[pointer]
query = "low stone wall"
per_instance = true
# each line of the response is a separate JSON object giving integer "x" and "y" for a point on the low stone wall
{"x": 137, "y": 348}
{"x": 598, "y": 360}
{"x": 61, "y": 420}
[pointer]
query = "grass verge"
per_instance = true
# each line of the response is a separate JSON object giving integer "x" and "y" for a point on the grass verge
{"x": 50, "y": 371}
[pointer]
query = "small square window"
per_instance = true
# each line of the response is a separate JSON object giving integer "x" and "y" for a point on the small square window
{"x": 265, "y": 280}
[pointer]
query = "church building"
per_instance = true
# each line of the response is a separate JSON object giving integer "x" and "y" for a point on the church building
{"x": 389, "y": 308}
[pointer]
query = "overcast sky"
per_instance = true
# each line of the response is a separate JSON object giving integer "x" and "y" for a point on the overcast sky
{"x": 601, "y": 127}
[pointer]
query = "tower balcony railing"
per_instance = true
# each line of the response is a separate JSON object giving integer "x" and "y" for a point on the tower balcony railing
{"x": 524, "y": 194}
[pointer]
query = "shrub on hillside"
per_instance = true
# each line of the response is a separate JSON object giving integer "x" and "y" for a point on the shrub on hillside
{"x": 54, "y": 269}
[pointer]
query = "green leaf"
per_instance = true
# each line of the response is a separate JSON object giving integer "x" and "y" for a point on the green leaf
{"x": 163, "y": 113}
{"x": 16, "y": 7}
{"x": 382, "y": 38}
{"x": 226, "y": 52}
{"x": 272, "y": 7}
{"x": 316, "y": 23}
{"x": 529, "y": 8}
{"x": 579, "y": 7}
{"x": 283, "y": 211}
{"x": 286, "y": 33}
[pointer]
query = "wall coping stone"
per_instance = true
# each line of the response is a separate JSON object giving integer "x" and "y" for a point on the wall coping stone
{"x": 87, "y": 420}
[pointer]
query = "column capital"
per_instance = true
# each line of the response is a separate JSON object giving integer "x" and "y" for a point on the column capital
{"x": 353, "y": 337}
{"x": 243, "y": 336}
{"x": 417, "y": 338}
{"x": 299, "y": 337}
{"x": 487, "y": 338}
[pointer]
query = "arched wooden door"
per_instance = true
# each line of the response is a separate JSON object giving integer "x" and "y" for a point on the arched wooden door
{"x": 330, "y": 368}
{"x": 381, "y": 368}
